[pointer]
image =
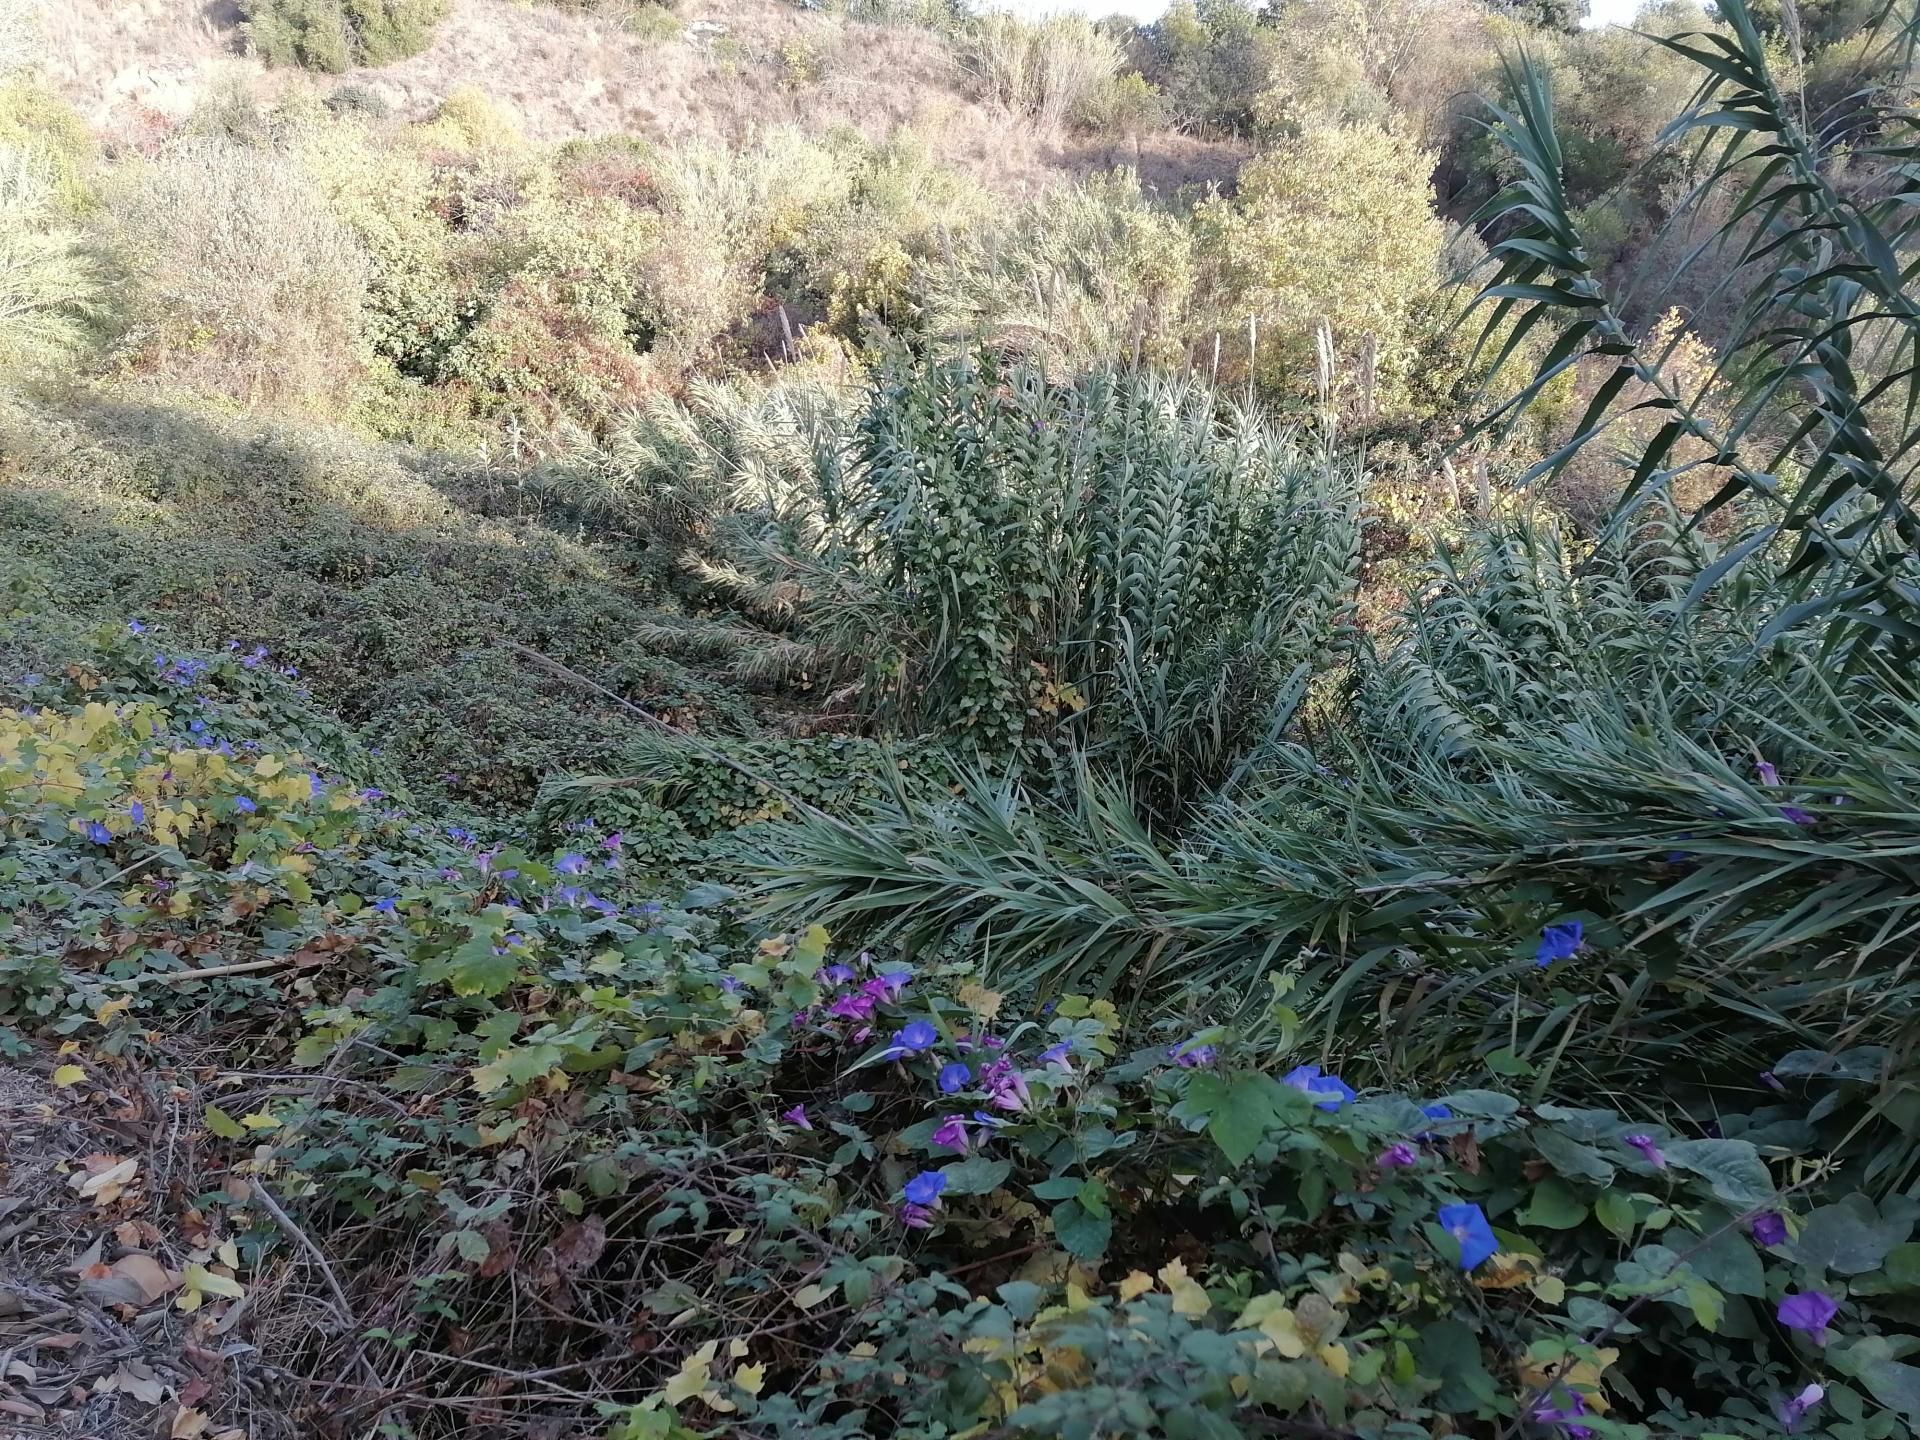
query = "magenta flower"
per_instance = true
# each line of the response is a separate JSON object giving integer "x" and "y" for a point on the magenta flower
{"x": 952, "y": 1134}
{"x": 1397, "y": 1155}
{"x": 797, "y": 1116}
{"x": 854, "y": 1005}
{"x": 1649, "y": 1151}
{"x": 916, "y": 1217}
{"x": 1810, "y": 1311}
{"x": 1006, "y": 1087}
{"x": 1768, "y": 1228}
{"x": 1793, "y": 1411}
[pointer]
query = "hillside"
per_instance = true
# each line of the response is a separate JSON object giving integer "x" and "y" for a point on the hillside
{"x": 717, "y": 71}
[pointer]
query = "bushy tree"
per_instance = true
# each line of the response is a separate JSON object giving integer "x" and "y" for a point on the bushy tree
{"x": 1211, "y": 59}
{"x": 1334, "y": 226}
{"x": 337, "y": 35}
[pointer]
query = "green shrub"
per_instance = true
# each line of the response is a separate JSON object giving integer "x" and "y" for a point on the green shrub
{"x": 51, "y": 290}
{"x": 337, "y": 35}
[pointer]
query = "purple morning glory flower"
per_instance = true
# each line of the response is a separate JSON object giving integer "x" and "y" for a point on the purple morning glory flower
{"x": 386, "y": 905}
{"x": 1793, "y": 1410}
{"x": 916, "y": 1217}
{"x": 1333, "y": 1092}
{"x": 1190, "y": 1056}
{"x": 571, "y": 864}
{"x": 911, "y": 1039}
{"x": 797, "y": 1116}
{"x": 1468, "y": 1224}
{"x": 888, "y": 984}
{"x": 613, "y": 841}
{"x": 1559, "y": 941}
{"x": 99, "y": 833}
{"x": 854, "y": 1005}
{"x": 1397, "y": 1155}
{"x": 954, "y": 1076}
{"x": 1649, "y": 1151}
{"x": 1768, "y": 1228}
{"x": 1005, "y": 1086}
{"x": 138, "y": 812}
{"x": 1772, "y": 1081}
{"x": 1797, "y": 816}
{"x": 1768, "y": 775}
{"x": 924, "y": 1188}
{"x": 953, "y": 1134}
{"x": 1565, "y": 1416}
{"x": 835, "y": 975}
{"x": 1811, "y": 1311}
{"x": 729, "y": 984}
{"x": 1056, "y": 1056}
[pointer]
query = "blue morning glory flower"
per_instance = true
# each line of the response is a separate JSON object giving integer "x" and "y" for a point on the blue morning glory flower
{"x": 925, "y": 1188}
{"x": 1436, "y": 1111}
{"x": 244, "y": 805}
{"x": 99, "y": 833}
{"x": 954, "y": 1076}
{"x": 1334, "y": 1091}
{"x": 1559, "y": 941}
{"x": 836, "y": 975}
{"x": 1468, "y": 1224}
{"x": 385, "y": 905}
{"x": 138, "y": 812}
{"x": 911, "y": 1039}
{"x": 571, "y": 864}
{"x": 134, "y": 627}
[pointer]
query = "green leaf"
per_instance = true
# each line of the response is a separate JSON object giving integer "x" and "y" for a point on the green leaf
{"x": 1903, "y": 1267}
{"x": 1506, "y": 1062}
{"x": 1849, "y": 1237}
{"x": 976, "y": 1175}
{"x": 472, "y": 1245}
{"x": 224, "y": 1125}
{"x": 1730, "y": 1262}
{"x": 1571, "y": 1158}
{"x": 1241, "y": 1119}
{"x": 1733, "y": 1169}
{"x": 1554, "y": 1207}
{"x": 1083, "y": 1235}
{"x": 1450, "y": 1350}
{"x": 1708, "y": 1304}
{"x": 1615, "y": 1211}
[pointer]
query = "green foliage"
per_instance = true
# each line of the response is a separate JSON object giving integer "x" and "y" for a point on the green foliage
{"x": 1333, "y": 227}
{"x": 1028, "y": 568}
{"x": 1542, "y": 741}
{"x": 1819, "y": 490}
{"x": 337, "y": 35}
{"x": 1076, "y": 277}
{"x": 1211, "y": 59}
{"x": 50, "y": 286}
{"x": 538, "y": 1083}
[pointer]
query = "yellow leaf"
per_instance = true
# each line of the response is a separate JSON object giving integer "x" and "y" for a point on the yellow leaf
{"x": 695, "y": 1370}
{"x": 1504, "y": 1271}
{"x": 267, "y": 766}
{"x": 750, "y": 1378}
{"x": 736, "y": 1349}
{"x": 197, "y": 1283}
{"x": 1334, "y": 1356}
{"x": 259, "y": 1120}
{"x": 808, "y": 1296}
{"x": 1551, "y": 1289}
{"x": 111, "y": 1008}
{"x": 68, "y": 1075}
{"x": 1270, "y": 1316}
{"x": 1135, "y": 1285}
{"x": 1188, "y": 1297}
{"x": 981, "y": 1001}
{"x": 188, "y": 1424}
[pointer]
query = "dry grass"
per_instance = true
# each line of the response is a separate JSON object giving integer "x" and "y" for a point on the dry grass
{"x": 136, "y": 67}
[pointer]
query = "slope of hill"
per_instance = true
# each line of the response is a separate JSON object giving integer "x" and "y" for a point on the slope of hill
{"x": 136, "y": 67}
